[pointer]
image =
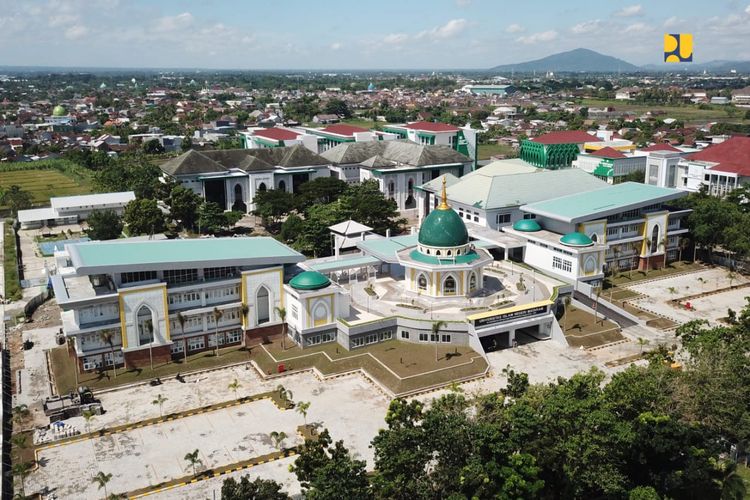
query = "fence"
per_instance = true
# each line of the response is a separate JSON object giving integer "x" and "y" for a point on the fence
{"x": 35, "y": 302}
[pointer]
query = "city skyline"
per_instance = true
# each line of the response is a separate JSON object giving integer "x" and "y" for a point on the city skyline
{"x": 449, "y": 34}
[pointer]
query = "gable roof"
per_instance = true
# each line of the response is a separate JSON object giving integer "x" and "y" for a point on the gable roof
{"x": 343, "y": 129}
{"x": 249, "y": 160}
{"x": 608, "y": 152}
{"x": 566, "y": 137}
{"x": 732, "y": 155}
{"x": 432, "y": 127}
{"x": 400, "y": 152}
{"x": 663, "y": 146}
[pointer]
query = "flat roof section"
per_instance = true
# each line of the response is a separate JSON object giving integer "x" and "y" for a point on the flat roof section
{"x": 100, "y": 257}
{"x": 91, "y": 200}
{"x": 343, "y": 263}
{"x": 385, "y": 248}
{"x": 602, "y": 202}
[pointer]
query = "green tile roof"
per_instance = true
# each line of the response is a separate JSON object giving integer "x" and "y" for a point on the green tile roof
{"x": 602, "y": 202}
{"x": 343, "y": 263}
{"x": 385, "y": 248}
{"x": 431, "y": 259}
{"x": 119, "y": 256}
{"x": 309, "y": 280}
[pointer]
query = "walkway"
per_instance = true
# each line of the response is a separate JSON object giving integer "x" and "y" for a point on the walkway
{"x": 603, "y": 309}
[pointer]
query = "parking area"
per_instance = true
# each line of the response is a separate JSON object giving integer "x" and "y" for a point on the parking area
{"x": 657, "y": 295}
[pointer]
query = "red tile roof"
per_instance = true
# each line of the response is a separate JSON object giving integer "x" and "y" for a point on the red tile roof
{"x": 566, "y": 137}
{"x": 661, "y": 147}
{"x": 732, "y": 155}
{"x": 608, "y": 153}
{"x": 343, "y": 129}
{"x": 432, "y": 127}
{"x": 276, "y": 134}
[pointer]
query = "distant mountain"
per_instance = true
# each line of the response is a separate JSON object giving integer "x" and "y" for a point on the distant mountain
{"x": 573, "y": 61}
{"x": 718, "y": 67}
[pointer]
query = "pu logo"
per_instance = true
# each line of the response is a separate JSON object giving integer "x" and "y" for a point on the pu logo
{"x": 678, "y": 47}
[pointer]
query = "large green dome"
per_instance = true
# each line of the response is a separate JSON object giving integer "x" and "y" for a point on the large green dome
{"x": 576, "y": 240}
{"x": 59, "y": 111}
{"x": 443, "y": 228}
{"x": 309, "y": 280}
{"x": 527, "y": 225}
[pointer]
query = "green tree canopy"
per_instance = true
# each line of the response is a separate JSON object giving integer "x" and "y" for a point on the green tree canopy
{"x": 183, "y": 206}
{"x": 132, "y": 172}
{"x": 257, "y": 489}
{"x": 15, "y": 198}
{"x": 104, "y": 225}
{"x": 272, "y": 205}
{"x": 143, "y": 217}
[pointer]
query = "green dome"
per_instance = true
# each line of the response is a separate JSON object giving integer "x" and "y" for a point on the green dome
{"x": 59, "y": 111}
{"x": 576, "y": 240}
{"x": 527, "y": 225}
{"x": 309, "y": 280}
{"x": 443, "y": 228}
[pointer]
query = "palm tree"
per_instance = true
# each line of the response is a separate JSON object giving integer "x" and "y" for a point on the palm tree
{"x": 102, "y": 479}
{"x": 159, "y": 401}
{"x": 302, "y": 408}
{"x": 642, "y": 342}
{"x": 22, "y": 469}
{"x": 436, "y": 326}
{"x": 596, "y": 303}
{"x": 284, "y": 393}
{"x": 731, "y": 277}
{"x": 150, "y": 327}
{"x": 278, "y": 438}
{"x": 732, "y": 485}
{"x": 282, "y": 315}
{"x": 193, "y": 460}
{"x": 88, "y": 416}
{"x": 234, "y": 386}
{"x": 244, "y": 309}
{"x": 648, "y": 252}
{"x": 218, "y": 314}
{"x": 20, "y": 412}
{"x": 683, "y": 244}
{"x": 566, "y": 303}
{"x": 19, "y": 441}
{"x": 106, "y": 336}
{"x": 181, "y": 319}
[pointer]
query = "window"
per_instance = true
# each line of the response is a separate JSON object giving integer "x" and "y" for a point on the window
{"x": 177, "y": 276}
{"x": 196, "y": 343}
{"x": 472, "y": 282}
{"x": 371, "y": 338}
{"x": 449, "y": 286}
{"x": 211, "y": 273}
{"x": 529, "y": 216}
{"x": 423, "y": 337}
{"x": 357, "y": 342}
{"x": 177, "y": 347}
{"x": 137, "y": 276}
{"x": 655, "y": 239}
{"x": 503, "y": 218}
{"x": 404, "y": 334}
{"x": 445, "y": 338}
{"x": 387, "y": 335}
{"x": 263, "y": 305}
{"x": 145, "y": 318}
{"x": 294, "y": 311}
{"x": 563, "y": 264}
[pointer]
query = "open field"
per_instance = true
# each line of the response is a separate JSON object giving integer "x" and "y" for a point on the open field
{"x": 686, "y": 112}
{"x": 485, "y": 151}
{"x": 42, "y": 184}
{"x": 582, "y": 329}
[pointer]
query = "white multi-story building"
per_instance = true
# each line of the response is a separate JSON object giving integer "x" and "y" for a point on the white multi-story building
{"x": 721, "y": 167}
{"x": 73, "y": 209}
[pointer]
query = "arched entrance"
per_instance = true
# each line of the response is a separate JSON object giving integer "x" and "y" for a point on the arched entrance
{"x": 282, "y": 186}
{"x": 239, "y": 203}
{"x": 146, "y": 325}
{"x": 263, "y": 305}
{"x": 411, "y": 202}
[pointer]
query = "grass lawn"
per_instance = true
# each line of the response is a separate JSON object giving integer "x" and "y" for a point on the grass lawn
{"x": 400, "y": 366}
{"x": 10, "y": 265}
{"x": 628, "y": 278}
{"x": 485, "y": 151}
{"x": 42, "y": 184}
{"x": 686, "y": 112}
{"x": 583, "y": 329}
{"x": 63, "y": 369}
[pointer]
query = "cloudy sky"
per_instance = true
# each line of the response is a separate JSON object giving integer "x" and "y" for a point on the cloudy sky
{"x": 335, "y": 34}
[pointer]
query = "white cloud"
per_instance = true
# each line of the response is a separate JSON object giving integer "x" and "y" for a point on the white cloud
{"x": 586, "y": 27}
{"x": 747, "y": 10}
{"x": 463, "y": 3}
{"x": 396, "y": 38}
{"x": 673, "y": 21}
{"x": 637, "y": 28}
{"x": 58, "y": 20}
{"x": 336, "y": 46}
{"x": 544, "y": 36}
{"x": 174, "y": 23}
{"x": 76, "y": 32}
{"x": 514, "y": 28}
{"x": 630, "y": 11}
{"x": 452, "y": 28}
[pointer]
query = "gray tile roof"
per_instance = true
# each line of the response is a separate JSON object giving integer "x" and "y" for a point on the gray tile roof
{"x": 248, "y": 160}
{"x": 405, "y": 153}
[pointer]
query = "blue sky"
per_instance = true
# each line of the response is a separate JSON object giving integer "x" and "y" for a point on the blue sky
{"x": 336, "y": 34}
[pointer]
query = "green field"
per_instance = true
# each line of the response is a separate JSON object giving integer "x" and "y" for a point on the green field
{"x": 685, "y": 112}
{"x": 42, "y": 184}
{"x": 485, "y": 151}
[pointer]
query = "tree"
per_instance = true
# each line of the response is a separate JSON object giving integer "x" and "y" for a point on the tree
{"x": 107, "y": 336}
{"x": 22, "y": 469}
{"x": 101, "y": 479}
{"x": 271, "y": 205}
{"x": 281, "y": 312}
{"x": 152, "y": 147}
{"x": 88, "y": 417}
{"x": 642, "y": 343}
{"x": 234, "y": 386}
{"x": 143, "y": 216}
{"x": 15, "y": 199}
{"x": 302, "y": 408}
{"x": 327, "y": 471}
{"x": 218, "y": 314}
{"x": 132, "y": 172}
{"x": 278, "y": 438}
{"x": 320, "y": 190}
{"x": 193, "y": 459}
{"x": 365, "y": 203}
{"x": 160, "y": 400}
{"x": 181, "y": 319}
{"x": 20, "y": 412}
{"x": 104, "y": 225}
{"x": 291, "y": 228}
{"x": 258, "y": 489}
{"x": 337, "y": 107}
{"x": 183, "y": 206}
{"x": 436, "y": 326}
{"x": 212, "y": 219}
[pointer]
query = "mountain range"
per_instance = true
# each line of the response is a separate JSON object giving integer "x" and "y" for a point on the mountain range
{"x": 589, "y": 61}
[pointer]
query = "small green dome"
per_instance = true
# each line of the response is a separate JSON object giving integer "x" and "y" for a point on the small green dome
{"x": 309, "y": 280}
{"x": 443, "y": 228}
{"x": 576, "y": 240}
{"x": 59, "y": 111}
{"x": 527, "y": 225}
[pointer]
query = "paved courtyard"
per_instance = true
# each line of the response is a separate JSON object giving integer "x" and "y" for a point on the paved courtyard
{"x": 659, "y": 293}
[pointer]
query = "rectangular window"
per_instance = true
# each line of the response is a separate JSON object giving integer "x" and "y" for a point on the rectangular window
{"x": 563, "y": 264}
{"x": 196, "y": 343}
{"x": 137, "y": 276}
{"x": 529, "y": 216}
{"x": 212, "y": 273}
{"x": 358, "y": 342}
{"x": 404, "y": 334}
{"x": 372, "y": 338}
{"x": 387, "y": 335}
{"x": 423, "y": 337}
{"x": 503, "y": 218}
{"x": 177, "y": 276}
{"x": 445, "y": 338}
